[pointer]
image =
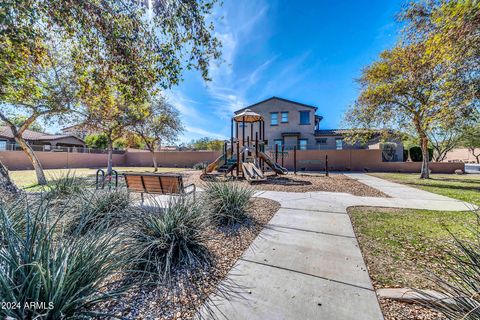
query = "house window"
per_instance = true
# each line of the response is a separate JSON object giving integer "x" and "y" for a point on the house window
{"x": 285, "y": 117}
{"x": 302, "y": 144}
{"x": 304, "y": 117}
{"x": 339, "y": 144}
{"x": 278, "y": 142}
{"x": 274, "y": 118}
{"x": 3, "y": 145}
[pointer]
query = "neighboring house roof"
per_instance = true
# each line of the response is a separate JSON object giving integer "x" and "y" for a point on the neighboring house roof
{"x": 277, "y": 98}
{"x": 6, "y": 132}
{"x": 332, "y": 132}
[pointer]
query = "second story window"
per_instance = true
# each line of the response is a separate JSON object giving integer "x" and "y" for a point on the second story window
{"x": 339, "y": 144}
{"x": 274, "y": 118}
{"x": 302, "y": 144}
{"x": 304, "y": 117}
{"x": 285, "y": 117}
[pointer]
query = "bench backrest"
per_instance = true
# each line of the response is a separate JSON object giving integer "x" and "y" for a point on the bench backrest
{"x": 154, "y": 183}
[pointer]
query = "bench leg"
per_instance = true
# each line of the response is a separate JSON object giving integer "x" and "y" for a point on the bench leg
{"x": 142, "y": 197}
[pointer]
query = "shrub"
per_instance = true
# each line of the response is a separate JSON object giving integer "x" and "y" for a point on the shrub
{"x": 170, "y": 240}
{"x": 65, "y": 186}
{"x": 199, "y": 166}
{"x": 461, "y": 285}
{"x": 69, "y": 276}
{"x": 98, "y": 208}
{"x": 416, "y": 154}
{"x": 227, "y": 202}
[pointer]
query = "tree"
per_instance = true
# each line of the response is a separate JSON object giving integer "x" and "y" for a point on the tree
{"x": 404, "y": 88}
{"x": 162, "y": 124}
{"x": 19, "y": 120}
{"x": 443, "y": 139}
{"x": 471, "y": 140}
{"x": 207, "y": 144}
{"x": 7, "y": 187}
{"x": 96, "y": 141}
{"x": 36, "y": 33}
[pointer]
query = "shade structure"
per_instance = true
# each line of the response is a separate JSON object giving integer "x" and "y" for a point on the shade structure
{"x": 247, "y": 115}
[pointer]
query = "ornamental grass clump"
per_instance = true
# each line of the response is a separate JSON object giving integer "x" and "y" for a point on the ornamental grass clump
{"x": 60, "y": 277}
{"x": 65, "y": 186}
{"x": 170, "y": 241}
{"x": 460, "y": 286}
{"x": 228, "y": 203}
{"x": 98, "y": 208}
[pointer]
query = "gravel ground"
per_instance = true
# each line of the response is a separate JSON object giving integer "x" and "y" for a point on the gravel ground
{"x": 147, "y": 303}
{"x": 298, "y": 183}
{"x": 395, "y": 310}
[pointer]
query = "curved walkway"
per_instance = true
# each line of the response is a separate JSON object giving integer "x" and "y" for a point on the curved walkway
{"x": 307, "y": 264}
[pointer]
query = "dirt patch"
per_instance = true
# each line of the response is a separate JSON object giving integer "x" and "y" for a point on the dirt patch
{"x": 147, "y": 303}
{"x": 297, "y": 183}
{"x": 395, "y": 310}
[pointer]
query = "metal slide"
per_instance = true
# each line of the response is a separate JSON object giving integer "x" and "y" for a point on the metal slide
{"x": 219, "y": 161}
{"x": 252, "y": 173}
{"x": 272, "y": 164}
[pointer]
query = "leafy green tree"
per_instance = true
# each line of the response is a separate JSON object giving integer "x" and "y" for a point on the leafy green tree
{"x": 19, "y": 120}
{"x": 43, "y": 44}
{"x": 96, "y": 141}
{"x": 162, "y": 124}
{"x": 207, "y": 144}
{"x": 471, "y": 140}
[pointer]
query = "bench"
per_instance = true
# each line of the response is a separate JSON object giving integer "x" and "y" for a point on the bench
{"x": 152, "y": 183}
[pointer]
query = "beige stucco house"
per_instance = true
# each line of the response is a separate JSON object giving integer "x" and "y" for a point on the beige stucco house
{"x": 39, "y": 140}
{"x": 289, "y": 123}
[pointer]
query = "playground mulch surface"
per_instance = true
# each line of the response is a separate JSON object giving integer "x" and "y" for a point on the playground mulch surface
{"x": 301, "y": 182}
{"x": 226, "y": 246}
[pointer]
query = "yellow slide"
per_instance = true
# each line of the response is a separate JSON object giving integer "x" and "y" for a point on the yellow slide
{"x": 219, "y": 161}
{"x": 272, "y": 164}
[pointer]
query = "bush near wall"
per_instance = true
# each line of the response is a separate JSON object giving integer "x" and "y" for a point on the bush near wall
{"x": 416, "y": 154}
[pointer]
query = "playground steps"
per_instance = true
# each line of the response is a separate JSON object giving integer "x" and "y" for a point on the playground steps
{"x": 228, "y": 166}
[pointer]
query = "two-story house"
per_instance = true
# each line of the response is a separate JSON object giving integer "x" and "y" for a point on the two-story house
{"x": 289, "y": 123}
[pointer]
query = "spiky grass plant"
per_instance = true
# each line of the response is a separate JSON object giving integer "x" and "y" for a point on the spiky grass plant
{"x": 227, "y": 202}
{"x": 65, "y": 277}
{"x": 170, "y": 241}
{"x": 64, "y": 186}
{"x": 460, "y": 287}
{"x": 97, "y": 208}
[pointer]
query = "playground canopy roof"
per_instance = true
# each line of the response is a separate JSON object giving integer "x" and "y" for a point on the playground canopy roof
{"x": 247, "y": 115}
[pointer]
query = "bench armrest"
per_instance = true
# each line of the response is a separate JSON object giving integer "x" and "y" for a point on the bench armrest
{"x": 189, "y": 186}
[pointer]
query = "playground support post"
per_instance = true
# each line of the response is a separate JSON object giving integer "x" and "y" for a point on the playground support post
{"x": 283, "y": 152}
{"x": 326, "y": 165}
{"x": 276, "y": 153}
{"x": 231, "y": 134}
{"x": 238, "y": 158}
{"x": 251, "y": 132}
{"x": 256, "y": 144}
{"x": 295, "y": 159}
{"x": 225, "y": 151}
{"x": 243, "y": 138}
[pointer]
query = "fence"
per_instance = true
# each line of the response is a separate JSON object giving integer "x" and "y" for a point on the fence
{"x": 307, "y": 160}
{"x": 49, "y": 148}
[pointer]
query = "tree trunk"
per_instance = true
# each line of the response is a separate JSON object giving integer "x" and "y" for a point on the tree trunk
{"x": 6, "y": 184}
{"x": 41, "y": 180}
{"x": 110, "y": 157}
{"x": 477, "y": 156}
{"x": 155, "y": 165}
{"x": 425, "y": 172}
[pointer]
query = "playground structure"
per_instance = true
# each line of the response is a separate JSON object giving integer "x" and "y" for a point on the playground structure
{"x": 246, "y": 157}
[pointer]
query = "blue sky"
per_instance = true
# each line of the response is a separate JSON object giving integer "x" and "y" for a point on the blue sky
{"x": 307, "y": 51}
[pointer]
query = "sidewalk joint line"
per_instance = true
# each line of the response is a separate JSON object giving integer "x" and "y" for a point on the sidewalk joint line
{"x": 308, "y": 274}
{"x": 311, "y": 231}
{"x": 312, "y": 210}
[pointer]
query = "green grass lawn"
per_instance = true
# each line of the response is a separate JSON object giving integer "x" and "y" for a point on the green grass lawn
{"x": 462, "y": 187}
{"x": 401, "y": 246}
{"x": 27, "y": 178}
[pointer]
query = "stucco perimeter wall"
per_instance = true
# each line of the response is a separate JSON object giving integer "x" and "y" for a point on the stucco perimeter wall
{"x": 338, "y": 160}
{"x": 179, "y": 159}
{"x": 17, "y": 160}
{"x": 359, "y": 160}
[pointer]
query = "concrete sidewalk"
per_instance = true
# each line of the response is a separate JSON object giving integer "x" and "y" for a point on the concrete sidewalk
{"x": 307, "y": 263}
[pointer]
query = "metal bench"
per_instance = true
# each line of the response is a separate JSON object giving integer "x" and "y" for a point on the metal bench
{"x": 151, "y": 183}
